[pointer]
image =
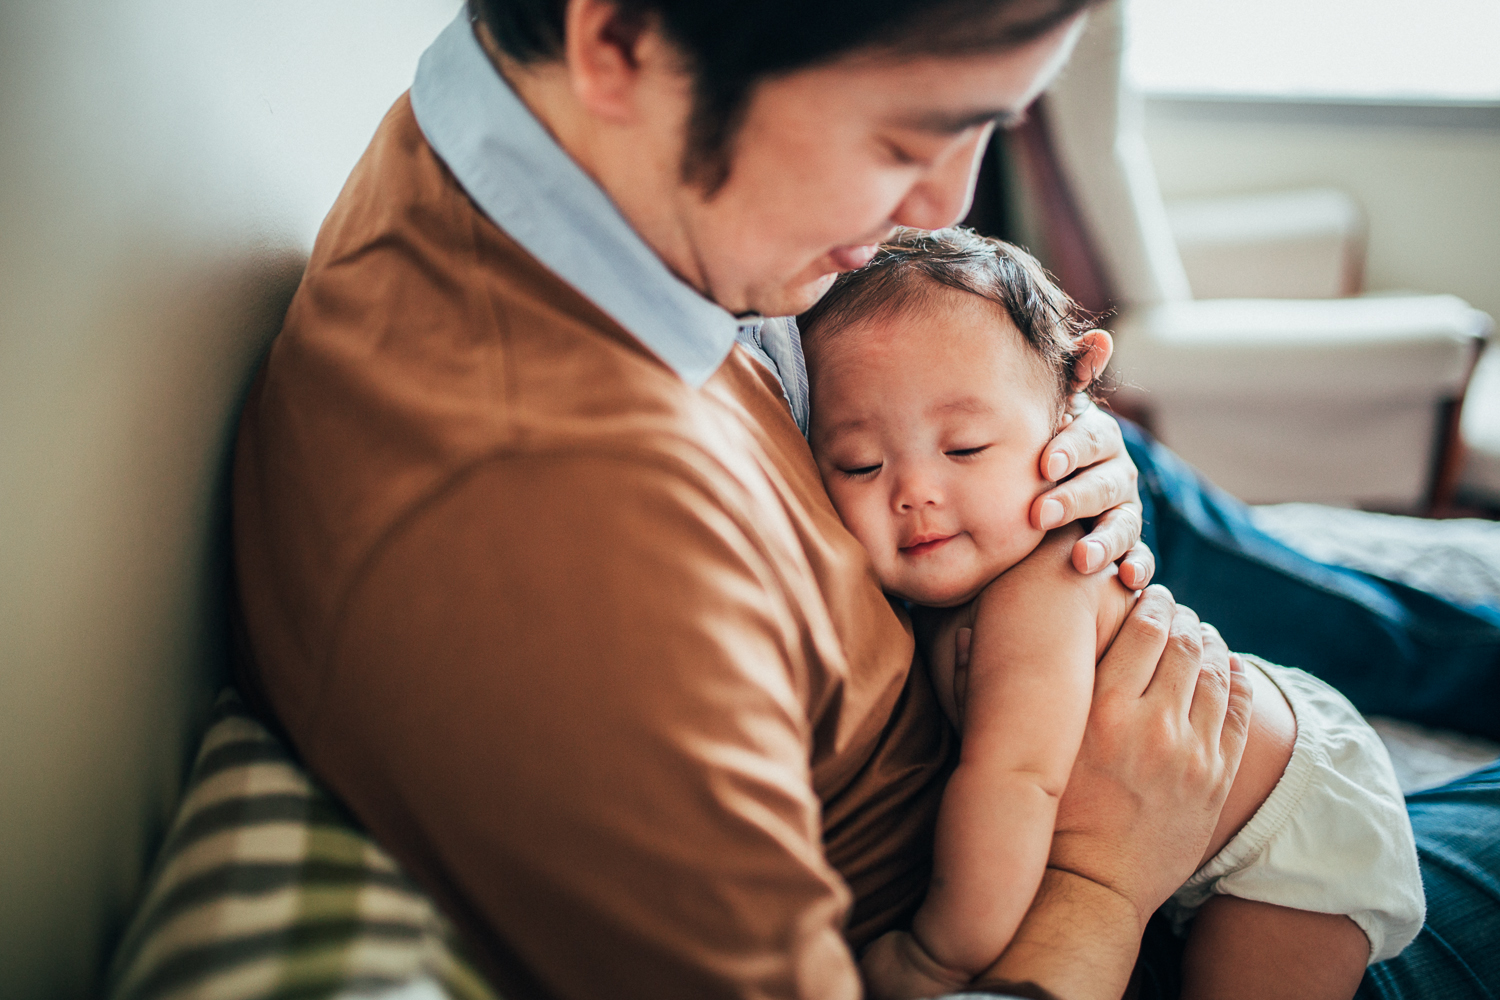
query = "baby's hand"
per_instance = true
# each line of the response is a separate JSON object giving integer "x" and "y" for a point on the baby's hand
{"x": 944, "y": 635}
{"x": 1115, "y": 602}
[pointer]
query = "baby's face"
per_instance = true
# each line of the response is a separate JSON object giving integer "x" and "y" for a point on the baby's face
{"x": 928, "y": 429}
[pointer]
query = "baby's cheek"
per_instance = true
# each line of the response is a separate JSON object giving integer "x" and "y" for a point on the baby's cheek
{"x": 836, "y": 494}
{"x": 1019, "y": 540}
{"x": 857, "y": 516}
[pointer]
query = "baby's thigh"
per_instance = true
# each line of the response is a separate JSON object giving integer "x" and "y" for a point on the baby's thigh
{"x": 1330, "y": 835}
{"x": 1260, "y": 951}
{"x": 1268, "y": 750}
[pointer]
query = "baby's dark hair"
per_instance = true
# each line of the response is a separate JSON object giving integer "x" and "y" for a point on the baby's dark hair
{"x": 908, "y": 266}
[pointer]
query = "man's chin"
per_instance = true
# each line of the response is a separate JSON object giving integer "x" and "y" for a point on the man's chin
{"x": 792, "y": 299}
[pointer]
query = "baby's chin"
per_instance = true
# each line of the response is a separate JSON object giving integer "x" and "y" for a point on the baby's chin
{"x": 938, "y": 593}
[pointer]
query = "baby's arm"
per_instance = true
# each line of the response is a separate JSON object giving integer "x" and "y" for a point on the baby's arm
{"x": 1022, "y": 709}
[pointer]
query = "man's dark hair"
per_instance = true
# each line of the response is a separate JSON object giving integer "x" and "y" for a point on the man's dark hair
{"x": 731, "y": 45}
{"x": 914, "y": 263}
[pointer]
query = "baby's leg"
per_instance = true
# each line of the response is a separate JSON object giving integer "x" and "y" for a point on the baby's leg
{"x": 1268, "y": 750}
{"x": 1242, "y": 948}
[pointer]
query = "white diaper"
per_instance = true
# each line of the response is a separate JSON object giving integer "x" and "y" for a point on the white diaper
{"x": 1332, "y": 837}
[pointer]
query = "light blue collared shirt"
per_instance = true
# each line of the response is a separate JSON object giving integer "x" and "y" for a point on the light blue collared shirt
{"x": 519, "y": 176}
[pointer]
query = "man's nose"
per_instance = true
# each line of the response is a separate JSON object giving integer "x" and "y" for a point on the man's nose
{"x": 941, "y": 197}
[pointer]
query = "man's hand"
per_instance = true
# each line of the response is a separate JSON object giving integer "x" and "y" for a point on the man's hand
{"x": 1089, "y": 453}
{"x": 1168, "y": 725}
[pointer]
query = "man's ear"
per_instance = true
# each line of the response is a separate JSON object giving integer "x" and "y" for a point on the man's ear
{"x": 606, "y": 51}
{"x": 1099, "y": 346}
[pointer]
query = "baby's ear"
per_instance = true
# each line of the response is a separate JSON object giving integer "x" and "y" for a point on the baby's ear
{"x": 1098, "y": 347}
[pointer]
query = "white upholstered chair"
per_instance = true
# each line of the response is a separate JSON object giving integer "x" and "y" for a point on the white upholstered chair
{"x": 1479, "y": 476}
{"x": 1336, "y": 400}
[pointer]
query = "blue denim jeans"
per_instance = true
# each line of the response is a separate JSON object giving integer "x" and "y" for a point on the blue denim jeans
{"x": 1393, "y": 651}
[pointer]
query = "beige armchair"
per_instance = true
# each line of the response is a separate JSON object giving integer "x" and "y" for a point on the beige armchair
{"x": 1339, "y": 400}
{"x": 1478, "y": 468}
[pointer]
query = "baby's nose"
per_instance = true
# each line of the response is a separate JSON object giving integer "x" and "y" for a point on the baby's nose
{"x": 918, "y": 491}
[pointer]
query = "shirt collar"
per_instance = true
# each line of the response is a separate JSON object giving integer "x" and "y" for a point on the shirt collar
{"x": 519, "y": 176}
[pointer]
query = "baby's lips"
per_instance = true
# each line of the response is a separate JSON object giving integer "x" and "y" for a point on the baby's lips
{"x": 922, "y": 544}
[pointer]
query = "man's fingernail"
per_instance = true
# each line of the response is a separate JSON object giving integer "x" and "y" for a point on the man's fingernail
{"x": 1057, "y": 466}
{"x": 1052, "y": 513}
{"x": 1095, "y": 558}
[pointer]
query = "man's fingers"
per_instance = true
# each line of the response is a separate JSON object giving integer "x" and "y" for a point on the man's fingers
{"x": 1236, "y": 729}
{"x": 1092, "y": 435}
{"x": 1098, "y": 488}
{"x": 1115, "y": 534}
{"x": 1131, "y": 661}
{"x": 1211, "y": 694}
{"x": 1177, "y": 673}
{"x": 1138, "y": 567}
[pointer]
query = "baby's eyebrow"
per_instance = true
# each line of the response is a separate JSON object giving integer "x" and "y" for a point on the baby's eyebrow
{"x": 964, "y": 404}
{"x": 844, "y": 427}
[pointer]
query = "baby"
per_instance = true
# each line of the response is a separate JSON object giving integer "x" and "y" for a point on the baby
{"x": 939, "y": 372}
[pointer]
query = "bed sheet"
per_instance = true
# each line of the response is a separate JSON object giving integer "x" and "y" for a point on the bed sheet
{"x": 1456, "y": 559}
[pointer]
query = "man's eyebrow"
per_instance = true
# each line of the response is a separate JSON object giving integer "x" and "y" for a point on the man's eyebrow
{"x": 954, "y": 122}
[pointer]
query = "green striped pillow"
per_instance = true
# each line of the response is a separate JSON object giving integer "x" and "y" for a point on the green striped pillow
{"x": 266, "y": 888}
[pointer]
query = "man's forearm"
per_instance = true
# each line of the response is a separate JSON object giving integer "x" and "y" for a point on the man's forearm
{"x": 1078, "y": 941}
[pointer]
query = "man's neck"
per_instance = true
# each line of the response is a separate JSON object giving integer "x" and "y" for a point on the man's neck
{"x": 543, "y": 88}
{"x": 632, "y": 182}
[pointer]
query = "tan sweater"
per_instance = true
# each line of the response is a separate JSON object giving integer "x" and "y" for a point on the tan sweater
{"x": 586, "y": 648}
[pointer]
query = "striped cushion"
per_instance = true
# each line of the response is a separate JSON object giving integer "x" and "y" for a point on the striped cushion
{"x": 266, "y": 888}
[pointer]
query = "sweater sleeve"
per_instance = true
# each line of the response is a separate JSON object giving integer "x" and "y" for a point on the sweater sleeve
{"x": 569, "y": 694}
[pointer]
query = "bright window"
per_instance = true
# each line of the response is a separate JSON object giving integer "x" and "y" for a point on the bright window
{"x": 1398, "y": 51}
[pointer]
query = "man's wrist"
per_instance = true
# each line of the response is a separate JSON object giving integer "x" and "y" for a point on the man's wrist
{"x": 1110, "y": 901}
{"x": 1078, "y": 941}
{"x": 1005, "y": 990}
{"x": 998, "y": 990}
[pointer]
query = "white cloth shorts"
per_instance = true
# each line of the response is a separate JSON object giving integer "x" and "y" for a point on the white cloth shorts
{"x": 1332, "y": 837}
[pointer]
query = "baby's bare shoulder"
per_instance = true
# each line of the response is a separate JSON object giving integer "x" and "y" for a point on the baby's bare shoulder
{"x": 1047, "y": 570}
{"x": 1047, "y": 583}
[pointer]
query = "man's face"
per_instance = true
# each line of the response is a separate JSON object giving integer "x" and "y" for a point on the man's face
{"x": 829, "y": 160}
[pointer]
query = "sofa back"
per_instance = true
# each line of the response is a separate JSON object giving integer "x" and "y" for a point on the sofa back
{"x": 164, "y": 165}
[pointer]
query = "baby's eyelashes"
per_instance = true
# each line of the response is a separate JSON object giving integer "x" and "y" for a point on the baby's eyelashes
{"x": 861, "y": 471}
{"x": 965, "y": 452}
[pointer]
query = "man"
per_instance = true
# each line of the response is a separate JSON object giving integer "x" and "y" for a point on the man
{"x": 536, "y": 570}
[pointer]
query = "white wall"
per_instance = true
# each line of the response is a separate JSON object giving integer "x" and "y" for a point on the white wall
{"x": 1432, "y": 193}
{"x": 164, "y": 165}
